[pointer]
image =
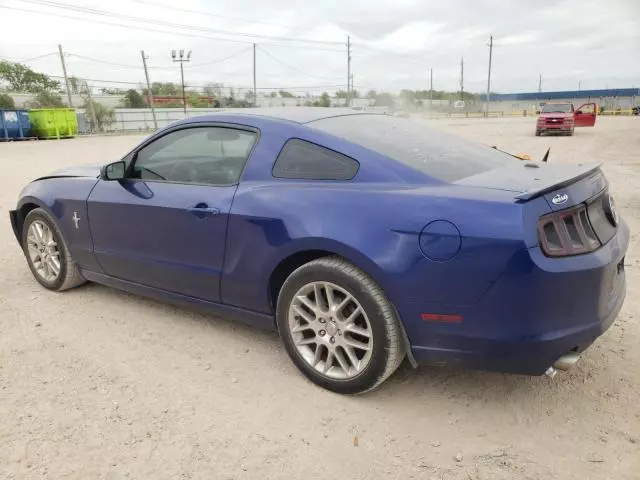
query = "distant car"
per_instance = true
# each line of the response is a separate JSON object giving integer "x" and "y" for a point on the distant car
{"x": 361, "y": 238}
{"x": 563, "y": 118}
{"x": 635, "y": 110}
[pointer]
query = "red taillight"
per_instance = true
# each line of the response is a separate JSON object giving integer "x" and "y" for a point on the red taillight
{"x": 567, "y": 232}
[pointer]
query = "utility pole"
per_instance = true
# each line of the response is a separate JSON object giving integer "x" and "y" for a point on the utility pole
{"x": 579, "y": 85}
{"x": 462, "y": 78}
{"x": 348, "y": 70}
{"x": 352, "y": 90}
{"x": 181, "y": 58}
{"x": 489, "y": 75}
{"x": 431, "y": 88}
{"x": 149, "y": 94}
{"x": 540, "y": 84}
{"x": 66, "y": 79}
{"x": 255, "y": 98}
{"x": 86, "y": 89}
{"x": 92, "y": 109}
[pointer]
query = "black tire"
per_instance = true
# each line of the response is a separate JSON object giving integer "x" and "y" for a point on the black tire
{"x": 538, "y": 133}
{"x": 570, "y": 132}
{"x": 388, "y": 349}
{"x": 69, "y": 276}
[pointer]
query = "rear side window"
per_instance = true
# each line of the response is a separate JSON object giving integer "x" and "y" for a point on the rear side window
{"x": 433, "y": 152}
{"x": 306, "y": 160}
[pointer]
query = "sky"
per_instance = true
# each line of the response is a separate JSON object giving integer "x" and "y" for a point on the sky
{"x": 301, "y": 45}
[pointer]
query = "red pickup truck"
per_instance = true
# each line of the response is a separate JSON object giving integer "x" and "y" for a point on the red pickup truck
{"x": 563, "y": 118}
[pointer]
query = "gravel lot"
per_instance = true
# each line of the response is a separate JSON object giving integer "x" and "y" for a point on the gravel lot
{"x": 99, "y": 384}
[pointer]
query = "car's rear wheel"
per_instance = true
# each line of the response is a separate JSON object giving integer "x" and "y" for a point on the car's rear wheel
{"x": 47, "y": 252}
{"x": 538, "y": 133}
{"x": 338, "y": 327}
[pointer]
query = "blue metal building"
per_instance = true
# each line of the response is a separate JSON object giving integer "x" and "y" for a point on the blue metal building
{"x": 566, "y": 95}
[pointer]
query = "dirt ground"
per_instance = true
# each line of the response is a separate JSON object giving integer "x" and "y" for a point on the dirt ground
{"x": 99, "y": 384}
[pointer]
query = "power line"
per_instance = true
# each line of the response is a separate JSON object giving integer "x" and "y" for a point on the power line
{"x": 215, "y": 15}
{"x": 106, "y": 62}
{"x": 291, "y": 67}
{"x": 33, "y": 58}
{"x": 379, "y": 51}
{"x": 155, "y": 30}
{"x": 291, "y": 88}
{"x": 136, "y": 67}
{"x": 220, "y": 60}
{"x": 104, "y": 13}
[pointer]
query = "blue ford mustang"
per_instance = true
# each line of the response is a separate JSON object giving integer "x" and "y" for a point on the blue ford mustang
{"x": 362, "y": 238}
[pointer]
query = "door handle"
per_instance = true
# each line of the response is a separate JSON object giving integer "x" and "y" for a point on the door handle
{"x": 201, "y": 210}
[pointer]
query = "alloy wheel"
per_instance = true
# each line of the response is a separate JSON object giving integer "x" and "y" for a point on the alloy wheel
{"x": 330, "y": 330}
{"x": 43, "y": 251}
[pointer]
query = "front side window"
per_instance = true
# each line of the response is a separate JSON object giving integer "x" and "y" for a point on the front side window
{"x": 308, "y": 161}
{"x": 206, "y": 155}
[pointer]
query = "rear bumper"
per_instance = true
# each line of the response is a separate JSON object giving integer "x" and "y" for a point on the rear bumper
{"x": 540, "y": 309}
{"x": 530, "y": 356}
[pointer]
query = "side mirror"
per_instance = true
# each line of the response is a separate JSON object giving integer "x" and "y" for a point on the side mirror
{"x": 113, "y": 171}
{"x": 579, "y": 112}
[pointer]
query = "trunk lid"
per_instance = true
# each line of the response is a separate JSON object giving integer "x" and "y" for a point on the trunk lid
{"x": 562, "y": 186}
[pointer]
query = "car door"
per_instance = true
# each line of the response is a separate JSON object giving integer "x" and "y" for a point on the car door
{"x": 164, "y": 225}
{"x": 585, "y": 115}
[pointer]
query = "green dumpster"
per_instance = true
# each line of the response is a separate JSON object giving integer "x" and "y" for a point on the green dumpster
{"x": 53, "y": 122}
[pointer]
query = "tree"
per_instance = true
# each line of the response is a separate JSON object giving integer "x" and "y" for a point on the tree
{"x": 248, "y": 97}
{"x": 371, "y": 94}
{"x": 6, "y": 101}
{"x": 285, "y": 94}
{"x": 213, "y": 90}
{"x": 165, "y": 89}
{"x": 74, "y": 84}
{"x": 323, "y": 101}
{"x": 46, "y": 100}
{"x": 196, "y": 101}
{"x": 384, "y": 100}
{"x": 104, "y": 116}
{"x": 107, "y": 90}
{"x": 133, "y": 99}
{"x": 273, "y": 94}
{"x": 342, "y": 94}
{"x": 21, "y": 78}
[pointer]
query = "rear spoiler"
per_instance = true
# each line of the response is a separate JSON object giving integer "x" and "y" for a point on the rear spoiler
{"x": 547, "y": 185}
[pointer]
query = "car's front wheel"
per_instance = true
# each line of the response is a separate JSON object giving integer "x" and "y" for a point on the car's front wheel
{"x": 338, "y": 327}
{"x": 47, "y": 253}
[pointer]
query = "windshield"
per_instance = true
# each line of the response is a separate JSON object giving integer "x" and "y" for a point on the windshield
{"x": 557, "y": 108}
{"x": 440, "y": 155}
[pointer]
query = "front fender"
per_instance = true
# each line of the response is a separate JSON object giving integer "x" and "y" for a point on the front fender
{"x": 64, "y": 198}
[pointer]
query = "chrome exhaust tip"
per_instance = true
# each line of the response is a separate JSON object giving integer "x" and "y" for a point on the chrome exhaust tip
{"x": 567, "y": 361}
{"x": 551, "y": 372}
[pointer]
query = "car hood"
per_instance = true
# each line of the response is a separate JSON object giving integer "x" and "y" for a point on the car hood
{"x": 556, "y": 115}
{"x": 90, "y": 171}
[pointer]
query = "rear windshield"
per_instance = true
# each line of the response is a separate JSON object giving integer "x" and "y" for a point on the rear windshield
{"x": 438, "y": 154}
{"x": 557, "y": 108}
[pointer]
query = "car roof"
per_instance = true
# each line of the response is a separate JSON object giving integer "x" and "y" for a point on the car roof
{"x": 297, "y": 115}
